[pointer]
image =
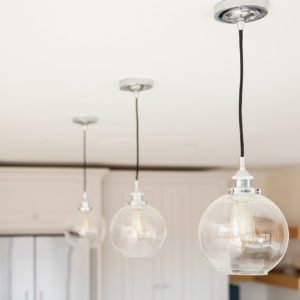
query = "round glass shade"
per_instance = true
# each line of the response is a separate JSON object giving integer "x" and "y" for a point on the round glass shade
{"x": 138, "y": 231}
{"x": 243, "y": 234}
{"x": 85, "y": 228}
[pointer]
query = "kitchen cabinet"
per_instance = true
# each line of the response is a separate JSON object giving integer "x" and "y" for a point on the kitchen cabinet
{"x": 43, "y": 268}
{"x": 16, "y": 268}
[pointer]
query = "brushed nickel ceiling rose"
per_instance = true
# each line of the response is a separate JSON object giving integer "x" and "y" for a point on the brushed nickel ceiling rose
{"x": 85, "y": 121}
{"x": 136, "y": 84}
{"x": 235, "y": 11}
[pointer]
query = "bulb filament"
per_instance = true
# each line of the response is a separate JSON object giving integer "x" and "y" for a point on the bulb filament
{"x": 242, "y": 227}
{"x": 137, "y": 228}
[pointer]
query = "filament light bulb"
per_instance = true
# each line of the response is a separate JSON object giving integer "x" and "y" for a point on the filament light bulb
{"x": 137, "y": 229}
{"x": 85, "y": 227}
{"x": 241, "y": 225}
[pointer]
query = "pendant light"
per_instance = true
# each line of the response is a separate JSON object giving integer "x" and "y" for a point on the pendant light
{"x": 137, "y": 229}
{"x": 243, "y": 232}
{"x": 86, "y": 227}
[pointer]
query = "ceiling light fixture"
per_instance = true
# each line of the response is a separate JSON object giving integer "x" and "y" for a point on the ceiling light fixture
{"x": 86, "y": 226}
{"x": 137, "y": 229}
{"x": 243, "y": 232}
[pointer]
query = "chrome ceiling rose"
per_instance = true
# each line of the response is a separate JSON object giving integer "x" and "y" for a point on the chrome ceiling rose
{"x": 136, "y": 84}
{"x": 85, "y": 121}
{"x": 235, "y": 11}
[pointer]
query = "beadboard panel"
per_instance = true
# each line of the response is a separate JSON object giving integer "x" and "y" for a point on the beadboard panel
{"x": 179, "y": 271}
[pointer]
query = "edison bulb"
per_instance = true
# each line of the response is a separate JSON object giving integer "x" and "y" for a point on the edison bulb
{"x": 138, "y": 231}
{"x": 241, "y": 225}
{"x": 85, "y": 228}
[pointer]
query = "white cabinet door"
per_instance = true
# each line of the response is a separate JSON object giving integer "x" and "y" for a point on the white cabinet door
{"x": 179, "y": 271}
{"x": 43, "y": 268}
{"x": 62, "y": 272}
{"x": 16, "y": 268}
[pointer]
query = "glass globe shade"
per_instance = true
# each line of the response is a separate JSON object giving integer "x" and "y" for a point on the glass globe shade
{"x": 85, "y": 228}
{"x": 243, "y": 234}
{"x": 138, "y": 231}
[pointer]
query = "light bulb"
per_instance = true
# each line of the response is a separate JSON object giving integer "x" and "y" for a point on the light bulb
{"x": 243, "y": 232}
{"x": 241, "y": 225}
{"x": 85, "y": 227}
{"x": 138, "y": 230}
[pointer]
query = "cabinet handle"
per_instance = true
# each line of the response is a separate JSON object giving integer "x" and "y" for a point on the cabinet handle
{"x": 41, "y": 295}
{"x": 26, "y": 295}
{"x": 161, "y": 286}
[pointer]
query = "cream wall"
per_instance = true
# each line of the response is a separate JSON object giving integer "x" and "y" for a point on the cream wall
{"x": 282, "y": 186}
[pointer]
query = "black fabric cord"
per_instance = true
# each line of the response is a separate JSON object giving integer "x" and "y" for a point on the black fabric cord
{"x": 137, "y": 140}
{"x": 241, "y": 92}
{"x": 84, "y": 159}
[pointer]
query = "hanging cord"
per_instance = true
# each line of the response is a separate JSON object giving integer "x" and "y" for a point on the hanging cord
{"x": 84, "y": 159}
{"x": 137, "y": 138}
{"x": 241, "y": 91}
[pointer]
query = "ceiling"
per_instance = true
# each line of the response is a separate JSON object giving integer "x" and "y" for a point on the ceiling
{"x": 63, "y": 58}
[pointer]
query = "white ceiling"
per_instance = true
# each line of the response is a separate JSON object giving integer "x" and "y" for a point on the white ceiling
{"x": 63, "y": 58}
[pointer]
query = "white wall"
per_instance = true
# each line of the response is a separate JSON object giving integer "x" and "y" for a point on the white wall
{"x": 40, "y": 200}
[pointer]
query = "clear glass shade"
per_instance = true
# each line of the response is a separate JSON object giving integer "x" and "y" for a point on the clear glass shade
{"x": 138, "y": 231}
{"x": 243, "y": 234}
{"x": 85, "y": 227}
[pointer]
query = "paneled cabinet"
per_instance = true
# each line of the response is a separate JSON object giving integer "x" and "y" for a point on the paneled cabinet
{"x": 43, "y": 268}
{"x": 179, "y": 271}
{"x": 16, "y": 273}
